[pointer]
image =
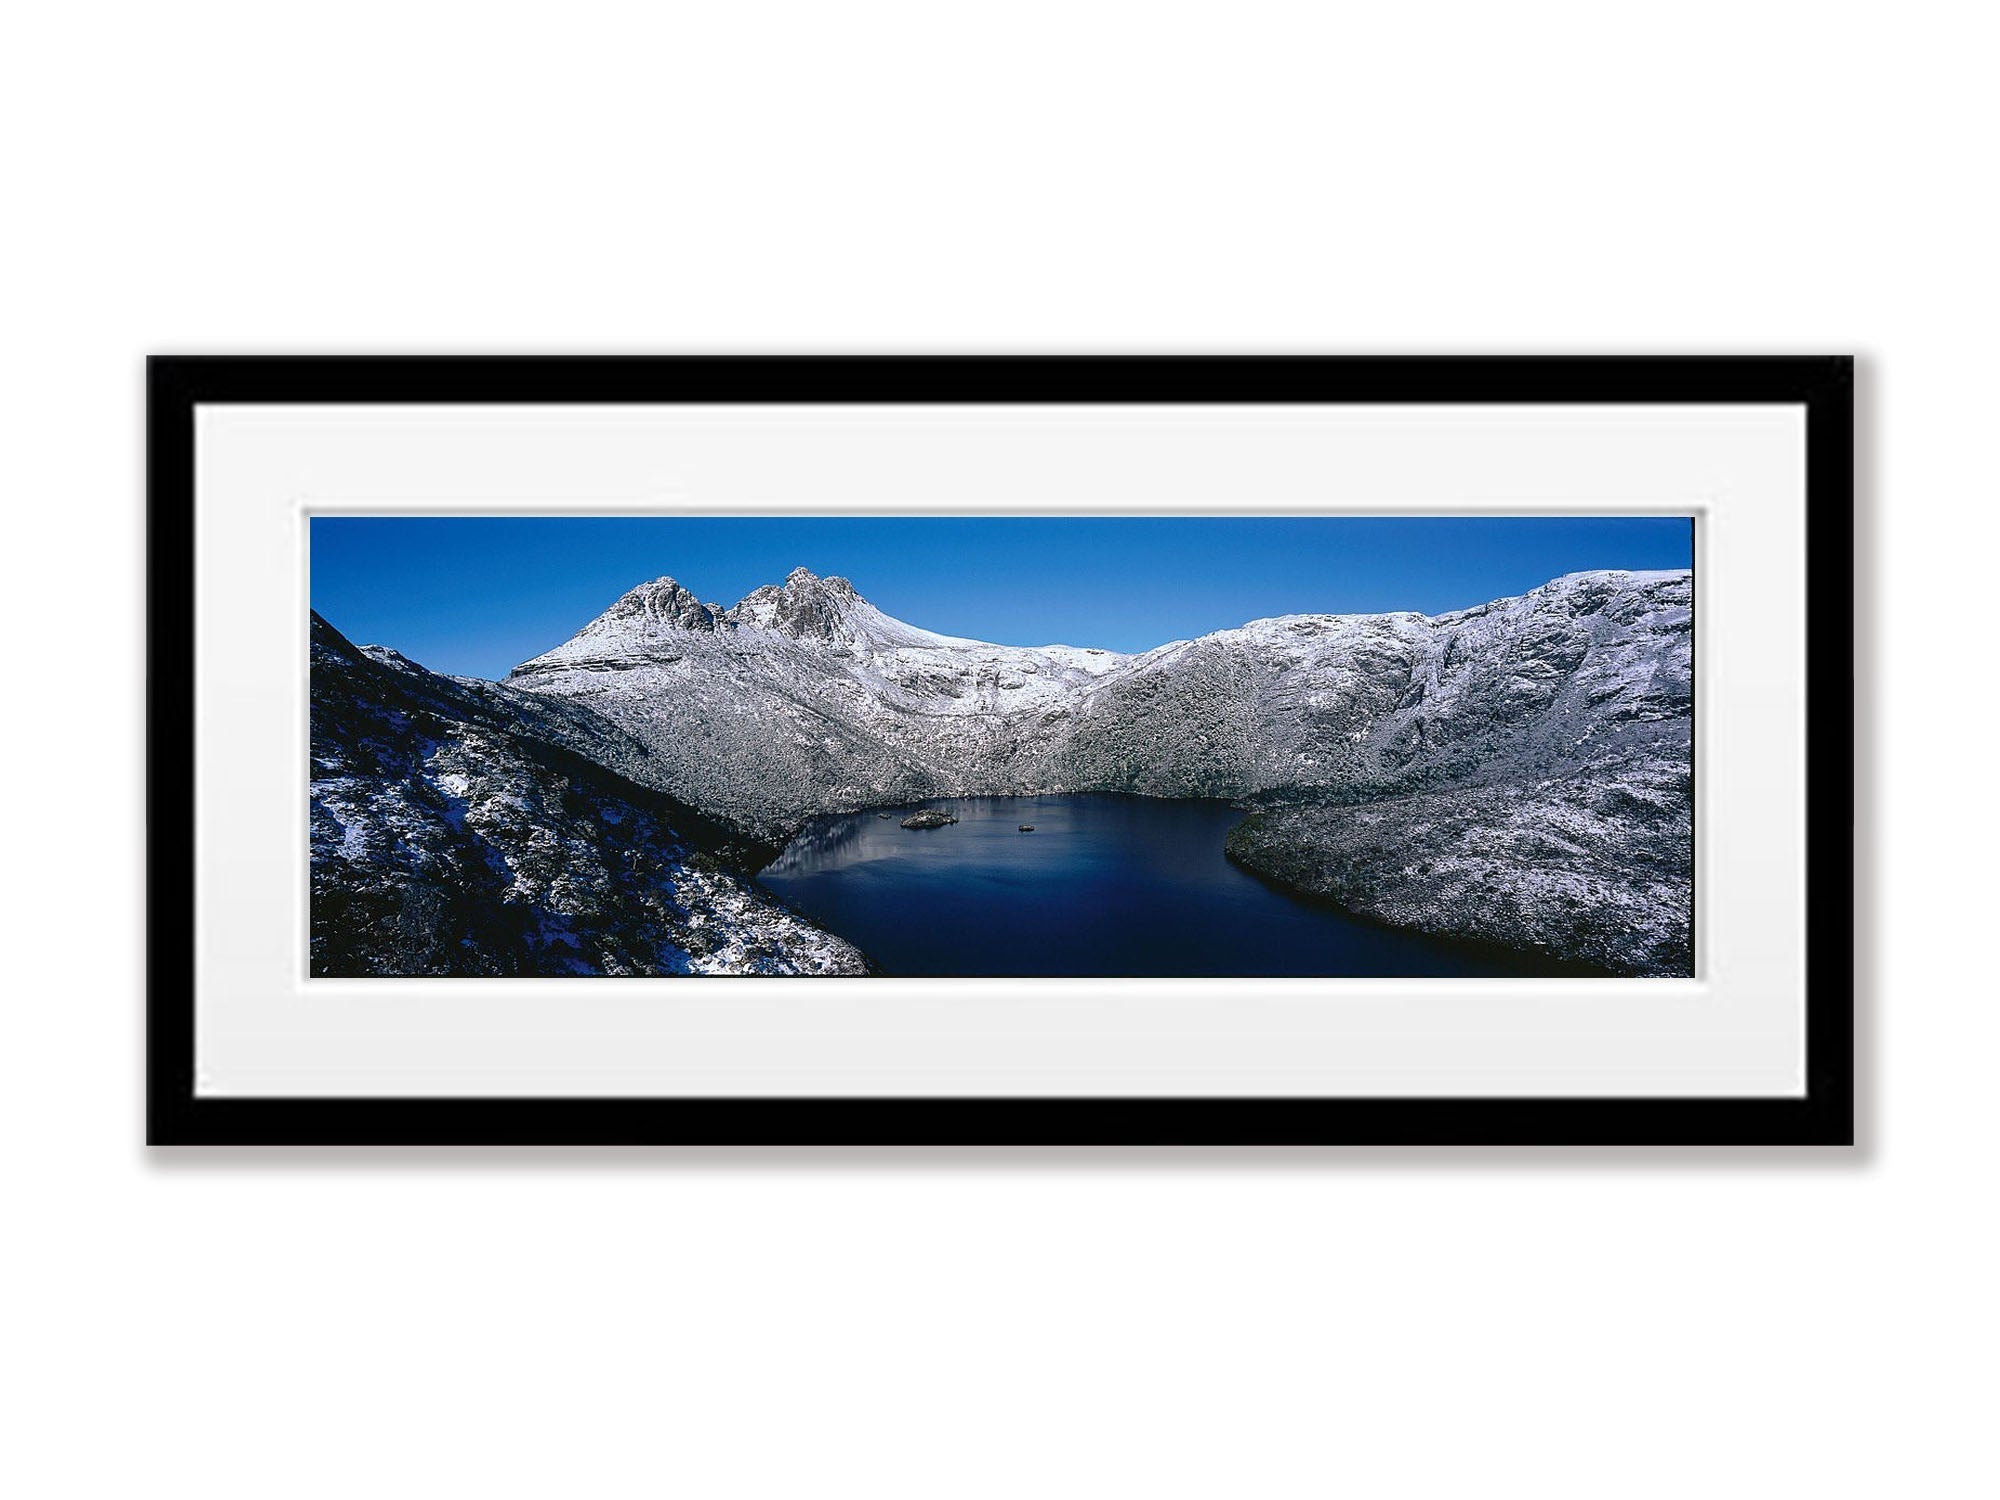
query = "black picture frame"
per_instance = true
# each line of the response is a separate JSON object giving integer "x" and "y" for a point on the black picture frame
{"x": 1823, "y": 1115}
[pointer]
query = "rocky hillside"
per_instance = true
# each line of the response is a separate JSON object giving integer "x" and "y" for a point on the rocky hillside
{"x": 461, "y": 828}
{"x": 1592, "y": 865}
{"x": 1478, "y": 738}
{"x": 1534, "y": 786}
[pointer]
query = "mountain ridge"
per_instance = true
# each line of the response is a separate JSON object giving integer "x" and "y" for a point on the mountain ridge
{"x": 839, "y": 705}
{"x": 671, "y": 604}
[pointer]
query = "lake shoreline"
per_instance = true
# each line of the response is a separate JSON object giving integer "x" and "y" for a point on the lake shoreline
{"x": 1109, "y": 884}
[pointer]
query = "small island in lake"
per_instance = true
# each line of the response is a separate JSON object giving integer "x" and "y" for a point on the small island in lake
{"x": 930, "y": 817}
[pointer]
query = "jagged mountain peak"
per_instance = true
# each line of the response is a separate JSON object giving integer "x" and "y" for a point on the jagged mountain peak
{"x": 664, "y": 602}
{"x": 804, "y": 605}
{"x": 809, "y": 607}
{"x": 653, "y": 621}
{"x": 806, "y": 581}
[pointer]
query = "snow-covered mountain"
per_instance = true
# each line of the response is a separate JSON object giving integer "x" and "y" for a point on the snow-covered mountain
{"x": 1527, "y": 763}
{"x": 805, "y": 699}
{"x": 460, "y": 828}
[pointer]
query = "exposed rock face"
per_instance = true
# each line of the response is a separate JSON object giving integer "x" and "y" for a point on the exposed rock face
{"x": 665, "y": 604}
{"x": 808, "y": 608}
{"x": 1485, "y": 738}
{"x": 461, "y": 828}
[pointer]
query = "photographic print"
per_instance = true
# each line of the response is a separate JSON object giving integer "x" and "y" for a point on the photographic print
{"x": 1325, "y": 747}
{"x": 1000, "y": 750}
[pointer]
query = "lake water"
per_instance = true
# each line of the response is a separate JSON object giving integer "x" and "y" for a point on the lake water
{"x": 1105, "y": 885}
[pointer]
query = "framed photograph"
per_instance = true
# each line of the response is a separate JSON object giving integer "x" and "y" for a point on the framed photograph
{"x": 1001, "y": 751}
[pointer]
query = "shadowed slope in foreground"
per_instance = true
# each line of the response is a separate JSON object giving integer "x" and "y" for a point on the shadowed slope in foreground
{"x": 460, "y": 828}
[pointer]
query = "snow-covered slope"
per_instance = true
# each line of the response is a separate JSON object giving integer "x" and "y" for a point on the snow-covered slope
{"x": 1355, "y": 705}
{"x": 459, "y": 828}
{"x": 804, "y": 698}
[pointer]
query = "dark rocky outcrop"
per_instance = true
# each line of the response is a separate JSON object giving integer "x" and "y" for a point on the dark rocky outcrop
{"x": 460, "y": 828}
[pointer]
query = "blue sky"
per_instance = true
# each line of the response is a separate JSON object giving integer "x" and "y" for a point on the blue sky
{"x": 477, "y": 596}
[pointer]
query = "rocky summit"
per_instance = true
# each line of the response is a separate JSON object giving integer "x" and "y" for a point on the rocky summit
{"x": 1518, "y": 773}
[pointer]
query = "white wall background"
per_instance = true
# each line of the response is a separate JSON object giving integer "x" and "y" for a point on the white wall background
{"x": 1429, "y": 177}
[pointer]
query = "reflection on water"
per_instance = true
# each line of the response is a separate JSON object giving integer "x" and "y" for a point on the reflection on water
{"x": 819, "y": 843}
{"x": 1104, "y": 885}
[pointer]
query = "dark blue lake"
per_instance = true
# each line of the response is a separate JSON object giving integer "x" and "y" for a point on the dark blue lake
{"x": 1105, "y": 885}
